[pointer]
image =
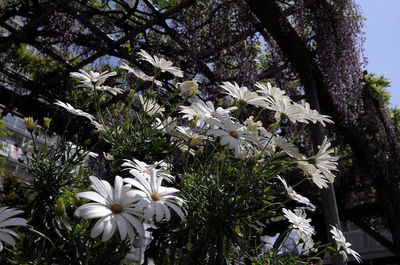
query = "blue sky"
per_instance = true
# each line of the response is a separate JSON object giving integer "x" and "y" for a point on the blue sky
{"x": 382, "y": 44}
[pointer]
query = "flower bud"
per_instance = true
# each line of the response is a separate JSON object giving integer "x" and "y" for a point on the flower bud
{"x": 127, "y": 126}
{"x": 196, "y": 121}
{"x": 30, "y": 124}
{"x": 131, "y": 94}
{"x": 46, "y": 122}
{"x": 60, "y": 206}
{"x": 189, "y": 88}
{"x": 102, "y": 100}
{"x": 219, "y": 156}
{"x": 114, "y": 109}
{"x": 274, "y": 126}
{"x": 87, "y": 143}
{"x": 251, "y": 125}
{"x": 200, "y": 150}
{"x": 108, "y": 156}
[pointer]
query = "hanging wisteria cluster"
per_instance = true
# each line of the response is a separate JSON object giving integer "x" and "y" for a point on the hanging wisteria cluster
{"x": 333, "y": 31}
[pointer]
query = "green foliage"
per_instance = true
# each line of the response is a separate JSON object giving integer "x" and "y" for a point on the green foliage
{"x": 3, "y": 133}
{"x": 14, "y": 191}
{"x": 226, "y": 202}
{"x": 395, "y": 114}
{"x": 41, "y": 68}
{"x": 379, "y": 86}
{"x": 136, "y": 135}
{"x": 166, "y": 3}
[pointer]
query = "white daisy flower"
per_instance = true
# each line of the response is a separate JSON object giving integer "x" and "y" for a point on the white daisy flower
{"x": 155, "y": 200}
{"x": 139, "y": 74}
{"x": 203, "y": 111}
{"x": 150, "y": 106}
{"x": 6, "y": 219}
{"x": 299, "y": 222}
{"x": 270, "y": 91}
{"x": 295, "y": 196}
{"x": 137, "y": 165}
{"x": 232, "y": 134}
{"x": 114, "y": 206}
{"x": 316, "y": 175}
{"x": 255, "y": 128}
{"x": 243, "y": 94}
{"x": 314, "y": 115}
{"x": 280, "y": 143}
{"x": 285, "y": 108}
{"x": 161, "y": 63}
{"x": 92, "y": 79}
{"x": 307, "y": 241}
{"x": 324, "y": 161}
{"x": 143, "y": 168}
{"x": 113, "y": 90}
{"x": 68, "y": 107}
{"x": 342, "y": 246}
{"x": 166, "y": 125}
{"x": 194, "y": 137}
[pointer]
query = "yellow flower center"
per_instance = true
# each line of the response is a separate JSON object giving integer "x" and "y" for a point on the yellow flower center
{"x": 146, "y": 171}
{"x": 116, "y": 208}
{"x": 234, "y": 134}
{"x": 155, "y": 196}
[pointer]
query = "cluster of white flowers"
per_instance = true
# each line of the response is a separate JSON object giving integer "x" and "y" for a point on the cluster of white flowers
{"x": 142, "y": 199}
{"x": 251, "y": 138}
{"x": 301, "y": 226}
{"x": 114, "y": 206}
{"x": 274, "y": 99}
{"x": 131, "y": 203}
